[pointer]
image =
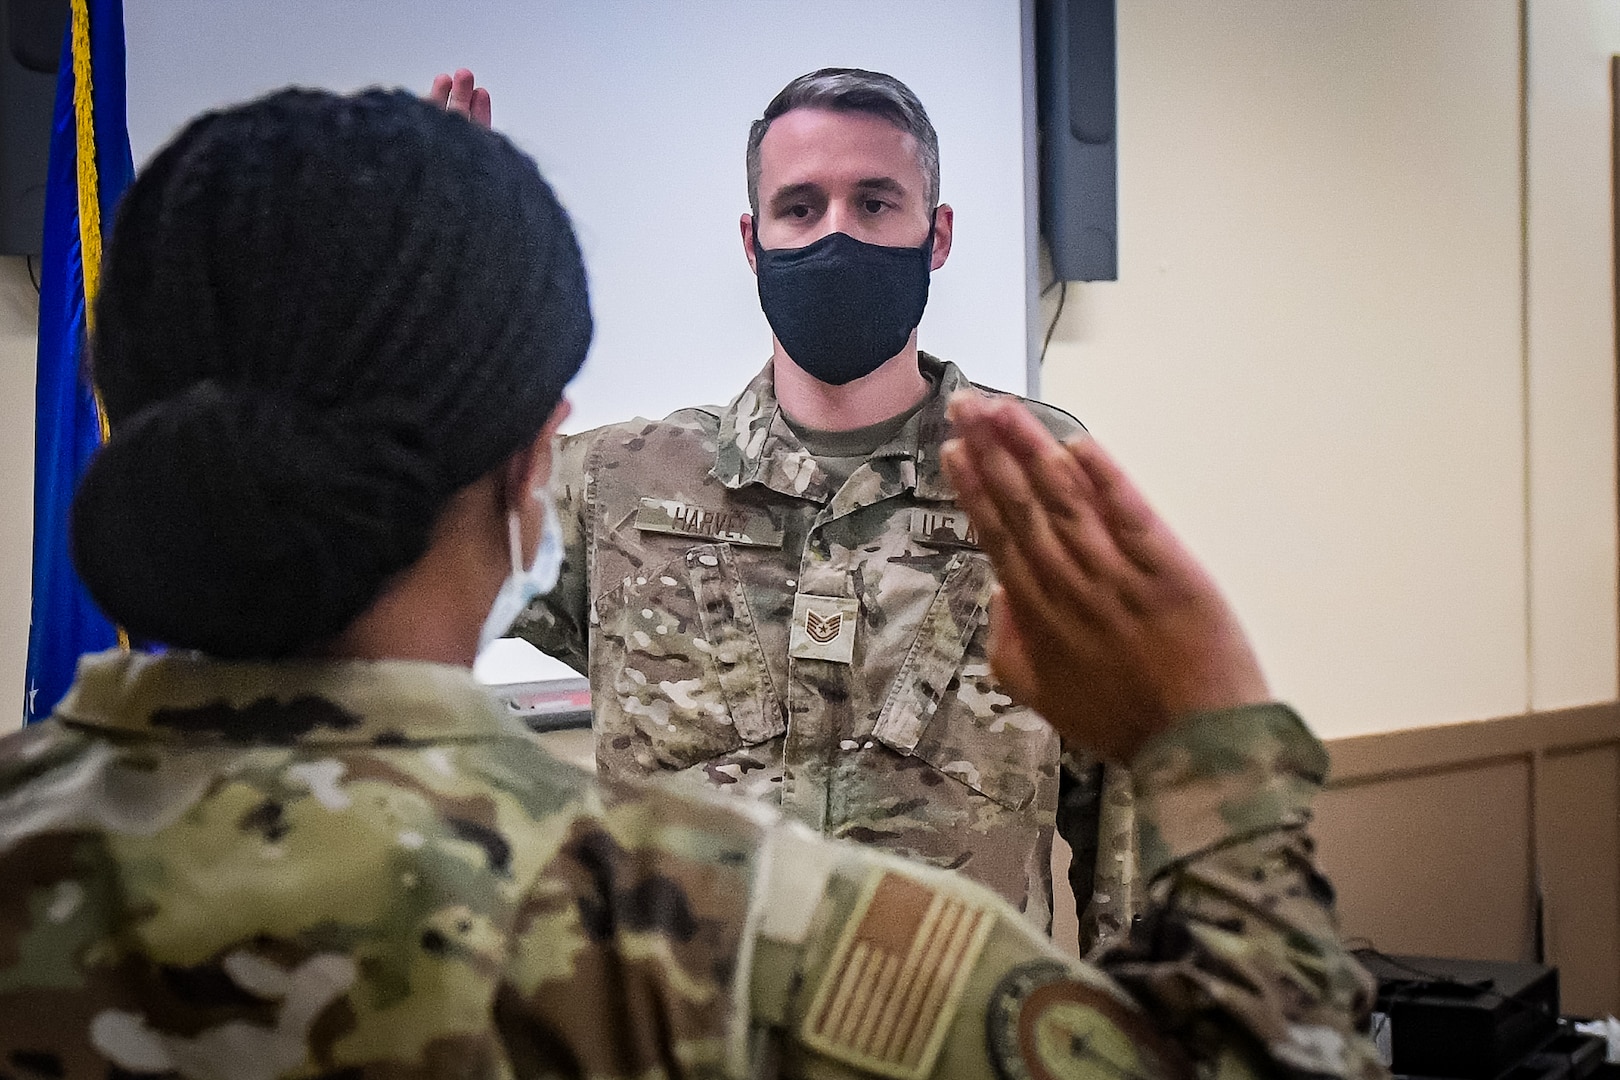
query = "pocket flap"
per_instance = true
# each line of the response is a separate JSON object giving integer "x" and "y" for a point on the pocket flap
{"x": 936, "y": 654}
{"x": 728, "y": 626}
{"x": 1001, "y": 750}
{"x": 678, "y": 674}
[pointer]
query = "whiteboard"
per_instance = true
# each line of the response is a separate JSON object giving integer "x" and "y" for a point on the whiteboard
{"x": 638, "y": 114}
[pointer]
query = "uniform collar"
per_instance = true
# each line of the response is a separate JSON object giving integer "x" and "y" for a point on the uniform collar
{"x": 756, "y": 446}
{"x": 184, "y": 696}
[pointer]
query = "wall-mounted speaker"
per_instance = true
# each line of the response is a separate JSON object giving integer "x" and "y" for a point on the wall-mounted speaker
{"x": 31, "y": 33}
{"x": 1076, "y": 112}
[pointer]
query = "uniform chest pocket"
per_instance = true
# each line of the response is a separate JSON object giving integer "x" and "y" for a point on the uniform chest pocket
{"x": 945, "y": 709}
{"x": 688, "y": 678}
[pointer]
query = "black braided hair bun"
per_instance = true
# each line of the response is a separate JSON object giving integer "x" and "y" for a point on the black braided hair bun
{"x": 321, "y": 317}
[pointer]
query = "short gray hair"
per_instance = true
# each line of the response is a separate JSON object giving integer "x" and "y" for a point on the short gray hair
{"x": 851, "y": 90}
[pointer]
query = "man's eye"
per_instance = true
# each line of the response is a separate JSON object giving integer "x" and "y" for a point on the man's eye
{"x": 875, "y": 206}
{"x": 800, "y": 211}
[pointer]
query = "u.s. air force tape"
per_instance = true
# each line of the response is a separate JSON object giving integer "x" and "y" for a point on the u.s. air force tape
{"x": 896, "y": 978}
{"x": 943, "y": 527}
{"x": 1045, "y": 1024}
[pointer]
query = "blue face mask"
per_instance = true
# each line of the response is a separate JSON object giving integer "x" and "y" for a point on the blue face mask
{"x": 840, "y": 306}
{"x": 526, "y": 583}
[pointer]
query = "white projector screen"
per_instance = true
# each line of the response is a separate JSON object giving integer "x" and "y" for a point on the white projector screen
{"x": 638, "y": 113}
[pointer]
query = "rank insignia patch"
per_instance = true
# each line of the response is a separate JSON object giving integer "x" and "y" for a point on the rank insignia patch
{"x": 896, "y": 978}
{"x": 820, "y": 629}
{"x": 824, "y": 628}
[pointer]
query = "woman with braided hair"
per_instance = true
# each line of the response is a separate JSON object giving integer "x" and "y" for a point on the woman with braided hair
{"x": 301, "y": 841}
{"x": 301, "y": 367}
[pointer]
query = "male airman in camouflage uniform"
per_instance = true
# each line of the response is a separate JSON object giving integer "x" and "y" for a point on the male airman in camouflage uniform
{"x": 797, "y": 615}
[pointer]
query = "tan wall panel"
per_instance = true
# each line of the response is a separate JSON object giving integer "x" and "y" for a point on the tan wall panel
{"x": 1432, "y": 837}
{"x": 1578, "y": 809}
{"x": 1435, "y": 864}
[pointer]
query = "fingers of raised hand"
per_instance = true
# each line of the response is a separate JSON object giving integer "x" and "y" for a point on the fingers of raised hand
{"x": 460, "y": 93}
{"x": 1067, "y": 493}
{"x": 439, "y": 93}
{"x": 481, "y": 111}
{"x": 1034, "y": 496}
{"x": 1011, "y": 462}
{"x": 462, "y": 85}
{"x": 1000, "y": 540}
{"x": 1021, "y": 558}
{"x": 1138, "y": 531}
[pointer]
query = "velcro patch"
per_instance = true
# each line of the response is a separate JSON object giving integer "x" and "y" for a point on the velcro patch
{"x": 824, "y": 628}
{"x": 1045, "y": 1024}
{"x": 943, "y": 528}
{"x": 745, "y": 528}
{"x": 896, "y": 978}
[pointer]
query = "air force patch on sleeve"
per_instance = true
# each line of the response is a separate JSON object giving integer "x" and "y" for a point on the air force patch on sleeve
{"x": 1044, "y": 1024}
{"x": 896, "y": 977}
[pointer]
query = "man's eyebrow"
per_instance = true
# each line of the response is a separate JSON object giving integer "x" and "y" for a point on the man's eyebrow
{"x": 804, "y": 190}
{"x": 885, "y": 184}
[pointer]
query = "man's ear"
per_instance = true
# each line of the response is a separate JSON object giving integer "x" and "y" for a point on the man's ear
{"x": 944, "y": 226}
{"x": 746, "y": 223}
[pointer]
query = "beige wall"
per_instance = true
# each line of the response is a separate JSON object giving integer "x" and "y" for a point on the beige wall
{"x": 1571, "y": 353}
{"x": 1315, "y": 356}
{"x": 19, "y": 321}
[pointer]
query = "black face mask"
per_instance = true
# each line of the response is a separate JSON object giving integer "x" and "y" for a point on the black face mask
{"x": 841, "y": 307}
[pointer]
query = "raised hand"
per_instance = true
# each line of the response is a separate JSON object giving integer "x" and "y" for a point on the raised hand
{"x": 1102, "y": 622}
{"x": 460, "y": 93}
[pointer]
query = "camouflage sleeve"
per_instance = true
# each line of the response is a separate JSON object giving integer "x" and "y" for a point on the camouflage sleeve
{"x": 559, "y": 622}
{"x": 1239, "y": 940}
{"x": 864, "y": 965}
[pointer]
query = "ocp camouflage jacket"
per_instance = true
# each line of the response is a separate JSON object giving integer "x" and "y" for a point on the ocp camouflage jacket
{"x": 747, "y": 626}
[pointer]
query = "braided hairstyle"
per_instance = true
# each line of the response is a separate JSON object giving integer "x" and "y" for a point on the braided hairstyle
{"x": 321, "y": 317}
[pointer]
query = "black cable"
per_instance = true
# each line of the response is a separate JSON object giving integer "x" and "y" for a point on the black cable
{"x": 29, "y": 259}
{"x": 1063, "y": 296}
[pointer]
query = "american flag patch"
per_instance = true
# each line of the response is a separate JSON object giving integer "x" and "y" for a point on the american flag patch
{"x": 896, "y": 978}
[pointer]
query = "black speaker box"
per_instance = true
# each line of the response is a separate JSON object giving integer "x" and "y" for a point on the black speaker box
{"x": 1077, "y": 109}
{"x": 1464, "y": 1019}
{"x": 31, "y": 33}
